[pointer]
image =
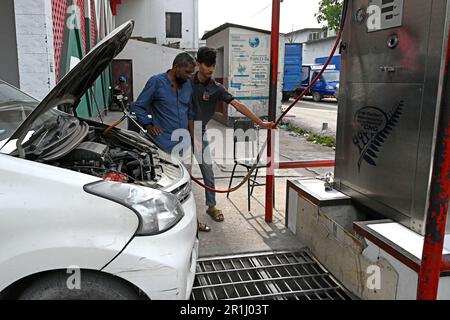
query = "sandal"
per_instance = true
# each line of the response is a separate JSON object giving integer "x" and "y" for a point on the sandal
{"x": 216, "y": 215}
{"x": 202, "y": 227}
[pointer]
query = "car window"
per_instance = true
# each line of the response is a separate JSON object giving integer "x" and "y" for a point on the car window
{"x": 331, "y": 76}
{"x": 12, "y": 115}
{"x": 15, "y": 107}
{"x": 9, "y": 93}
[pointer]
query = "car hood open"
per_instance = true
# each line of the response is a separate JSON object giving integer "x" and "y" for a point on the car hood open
{"x": 77, "y": 81}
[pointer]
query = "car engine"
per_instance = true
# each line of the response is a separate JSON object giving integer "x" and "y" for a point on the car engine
{"x": 98, "y": 160}
{"x": 119, "y": 154}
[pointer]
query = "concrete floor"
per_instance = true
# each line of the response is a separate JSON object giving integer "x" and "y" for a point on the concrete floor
{"x": 243, "y": 231}
{"x": 312, "y": 116}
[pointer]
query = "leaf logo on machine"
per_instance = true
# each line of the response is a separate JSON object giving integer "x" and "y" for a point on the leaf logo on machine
{"x": 373, "y": 129}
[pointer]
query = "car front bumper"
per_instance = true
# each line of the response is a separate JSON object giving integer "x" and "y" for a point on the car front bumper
{"x": 162, "y": 266}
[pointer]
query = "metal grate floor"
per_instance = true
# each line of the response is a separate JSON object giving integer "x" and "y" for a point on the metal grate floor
{"x": 273, "y": 276}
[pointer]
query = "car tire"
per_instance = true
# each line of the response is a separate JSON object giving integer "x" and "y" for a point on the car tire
{"x": 93, "y": 286}
{"x": 285, "y": 97}
{"x": 317, "y": 97}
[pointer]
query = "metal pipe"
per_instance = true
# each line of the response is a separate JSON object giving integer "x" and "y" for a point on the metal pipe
{"x": 275, "y": 47}
{"x": 438, "y": 199}
{"x": 306, "y": 164}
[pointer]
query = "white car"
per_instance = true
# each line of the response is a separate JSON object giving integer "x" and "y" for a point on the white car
{"x": 86, "y": 214}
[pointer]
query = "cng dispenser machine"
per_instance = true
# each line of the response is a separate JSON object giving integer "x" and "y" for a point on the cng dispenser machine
{"x": 394, "y": 66}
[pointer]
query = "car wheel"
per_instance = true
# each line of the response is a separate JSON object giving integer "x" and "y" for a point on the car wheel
{"x": 317, "y": 97}
{"x": 92, "y": 286}
{"x": 285, "y": 97}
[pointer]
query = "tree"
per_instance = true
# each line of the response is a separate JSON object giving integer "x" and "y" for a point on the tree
{"x": 290, "y": 37}
{"x": 330, "y": 12}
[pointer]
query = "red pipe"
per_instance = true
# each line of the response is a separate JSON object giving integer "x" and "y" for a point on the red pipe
{"x": 306, "y": 164}
{"x": 439, "y": 196}
{"x": 274, "y": 49}
{"x": 270, "y": 179}
{"x": 336, "y": 44}
{"x": 114, "y": 7}
{"x": 114, "y": 4}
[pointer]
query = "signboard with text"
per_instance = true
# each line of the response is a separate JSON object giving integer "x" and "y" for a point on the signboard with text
{"x": 250, "y": 72}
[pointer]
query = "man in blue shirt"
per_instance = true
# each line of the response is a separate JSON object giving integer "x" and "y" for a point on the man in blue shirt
{"x": 167, "y": 97}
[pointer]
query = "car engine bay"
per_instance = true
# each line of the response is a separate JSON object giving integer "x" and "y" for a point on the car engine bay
{"x": 85, "y": 147}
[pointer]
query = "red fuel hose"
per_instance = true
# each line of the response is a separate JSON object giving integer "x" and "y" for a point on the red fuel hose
{"x": 327, "y": 63}
{"x": 247, "y": 177}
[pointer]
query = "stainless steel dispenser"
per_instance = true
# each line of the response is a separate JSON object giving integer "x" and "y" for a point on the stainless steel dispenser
{"x": 393, "y": 62}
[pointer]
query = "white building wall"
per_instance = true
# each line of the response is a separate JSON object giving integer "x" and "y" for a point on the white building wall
{"x": 317, "y": 49}
{"x": 299, "y": 36}
{"x": 34, "y": 30}
{"x": 223, "y": 40}
{"x": 150, "y": 19}
{"x": 313, "y": 49}
{"x": 139, "y": 11}
{"x": 148, "y": 60}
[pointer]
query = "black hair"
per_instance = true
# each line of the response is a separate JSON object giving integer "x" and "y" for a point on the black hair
{"x": 183, "y": 60}
{"x": 207, "y": 56}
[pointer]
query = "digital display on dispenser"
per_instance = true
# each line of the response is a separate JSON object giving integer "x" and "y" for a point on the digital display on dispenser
{"x": 384, "y": 14}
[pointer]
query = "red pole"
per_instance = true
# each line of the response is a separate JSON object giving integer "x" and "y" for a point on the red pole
{"x": 114, "y": 7}
{"x": 430, "y": 269}
{"x": 275, "y": 44}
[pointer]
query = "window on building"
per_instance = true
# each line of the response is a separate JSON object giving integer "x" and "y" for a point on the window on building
{"x": 314, "y": 36}
{"x": 173, "y": 25}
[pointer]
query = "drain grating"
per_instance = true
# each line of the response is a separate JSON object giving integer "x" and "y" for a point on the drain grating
{"x": 273, "y": 276}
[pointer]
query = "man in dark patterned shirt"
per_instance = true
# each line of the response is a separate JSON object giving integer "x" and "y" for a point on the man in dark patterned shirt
{"x": 206, "y": 94}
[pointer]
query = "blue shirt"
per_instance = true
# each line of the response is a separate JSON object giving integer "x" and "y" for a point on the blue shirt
{"x": 170, "y": 110}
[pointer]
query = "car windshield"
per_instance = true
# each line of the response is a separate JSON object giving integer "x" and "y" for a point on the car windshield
{"x": 331, "y": 76}
{"x": 15, "y": 107}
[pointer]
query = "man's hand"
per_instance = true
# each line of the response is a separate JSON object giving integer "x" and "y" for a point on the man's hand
{"x": 267, "y": 125}
{"x": 249, "y": 114}
{"x": 154, "y": 131}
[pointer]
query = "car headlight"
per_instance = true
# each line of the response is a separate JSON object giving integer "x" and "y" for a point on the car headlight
{"x": 158, "y": 211}
{"x": 183, "y": 192}
{"x": 329, "y": 87}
